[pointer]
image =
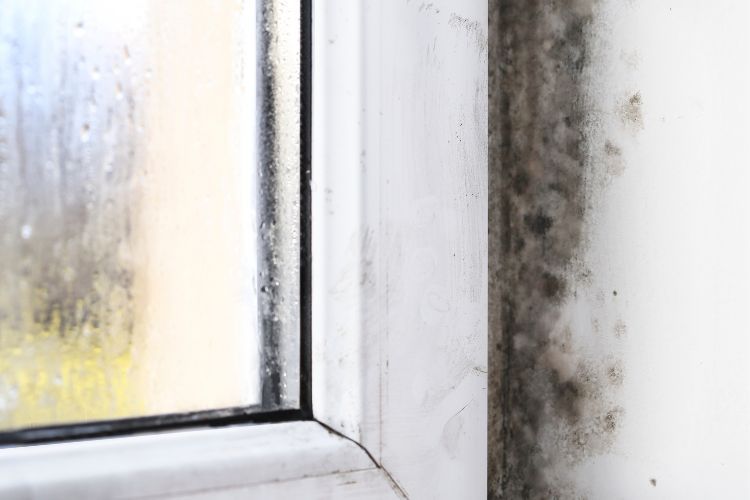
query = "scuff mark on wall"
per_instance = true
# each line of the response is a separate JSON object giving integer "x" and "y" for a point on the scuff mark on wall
{"x": 472, "y": 28}
{"x": 552, "y": 403}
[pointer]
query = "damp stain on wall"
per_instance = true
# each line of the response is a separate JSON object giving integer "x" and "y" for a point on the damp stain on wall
{"x": 552, "y": 404}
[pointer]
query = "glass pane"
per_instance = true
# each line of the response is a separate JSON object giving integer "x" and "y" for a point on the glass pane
{"x": 127, "y": 209}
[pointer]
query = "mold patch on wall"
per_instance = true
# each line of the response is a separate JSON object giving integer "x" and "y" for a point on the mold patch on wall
{"x": 553, "y": 403}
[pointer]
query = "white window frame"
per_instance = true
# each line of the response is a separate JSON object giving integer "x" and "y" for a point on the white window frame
{"x": 399, "y": 332}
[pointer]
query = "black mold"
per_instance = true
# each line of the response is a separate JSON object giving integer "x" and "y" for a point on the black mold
{"x": 538, "y": 224}
{"x": 549, "y": 407}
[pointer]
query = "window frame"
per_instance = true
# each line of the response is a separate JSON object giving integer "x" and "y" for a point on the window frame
{"x": 398, "y": 387}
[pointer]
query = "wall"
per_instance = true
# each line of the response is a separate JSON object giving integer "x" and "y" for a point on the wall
{"x": 619, "y": 249}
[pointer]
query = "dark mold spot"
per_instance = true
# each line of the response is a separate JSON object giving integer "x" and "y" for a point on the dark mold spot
{"x": 552, "y": 286}
{"x": 567, "y": 395}
{"x": 520, "y": 182}
{"x": 539, "y": 224}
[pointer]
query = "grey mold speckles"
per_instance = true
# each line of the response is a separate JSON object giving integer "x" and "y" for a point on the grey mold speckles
{"x": 615, "y": 165}
{"x": 550, "y": 406}
{"x": 630, "y": 112}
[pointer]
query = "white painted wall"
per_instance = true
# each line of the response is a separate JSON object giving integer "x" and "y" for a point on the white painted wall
{"x": 669, "y": 232}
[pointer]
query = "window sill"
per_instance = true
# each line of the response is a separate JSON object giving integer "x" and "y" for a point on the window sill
{"x": 273, "y": 460}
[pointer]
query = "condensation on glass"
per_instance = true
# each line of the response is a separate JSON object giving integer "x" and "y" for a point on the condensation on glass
{"x": 279, "y": 155}
{"x": 129, "y": 219}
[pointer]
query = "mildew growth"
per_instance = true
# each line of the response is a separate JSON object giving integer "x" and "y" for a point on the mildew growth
{"x": 552, "y": 405}
{"x": 630, "y": 111}
{"x": 615, "y": 164}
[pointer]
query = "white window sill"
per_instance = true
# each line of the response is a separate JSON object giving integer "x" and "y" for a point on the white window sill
{"x": 269, "y": 460}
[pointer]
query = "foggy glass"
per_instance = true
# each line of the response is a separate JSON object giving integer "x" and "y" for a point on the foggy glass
{"x": 127, "y": 209}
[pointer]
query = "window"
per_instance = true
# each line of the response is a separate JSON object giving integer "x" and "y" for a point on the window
{"x": 142, "y": 275}
{"x": 390, "y": 323}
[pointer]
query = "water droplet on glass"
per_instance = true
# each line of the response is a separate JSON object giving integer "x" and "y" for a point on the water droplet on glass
{"x": 85, "y": 132}
{"x": 79, "y": 30}
{"x": 26, "y": 231}
{"x": 95, "y": 73}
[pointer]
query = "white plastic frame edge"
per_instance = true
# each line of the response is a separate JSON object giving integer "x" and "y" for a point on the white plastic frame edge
{"x": 400, "y": 197}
